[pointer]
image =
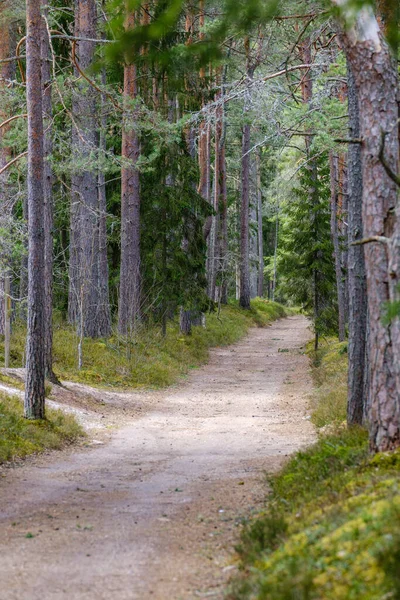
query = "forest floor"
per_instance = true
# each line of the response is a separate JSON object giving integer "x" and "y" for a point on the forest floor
{"x": 152, "y": 503}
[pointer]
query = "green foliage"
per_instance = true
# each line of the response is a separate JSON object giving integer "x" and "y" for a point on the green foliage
{"x": 148, "y": 360}
{"x": 20, "y": 437}
{"x": 173, "y": 245}
{"x": 306, "y": 269}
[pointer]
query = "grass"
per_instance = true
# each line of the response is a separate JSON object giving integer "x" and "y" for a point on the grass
{"x": 331, "y": 528}
{"x": 20, "y": 437}
{"x": 149, "y": 360}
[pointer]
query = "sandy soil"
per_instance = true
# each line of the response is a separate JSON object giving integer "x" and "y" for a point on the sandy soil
{"x": 153, "y": 510}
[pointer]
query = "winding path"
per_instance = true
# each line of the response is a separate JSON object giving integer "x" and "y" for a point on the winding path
{"x": 154, "y": 512}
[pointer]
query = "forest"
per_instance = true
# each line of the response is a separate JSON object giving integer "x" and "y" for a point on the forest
{"x": 173, "y": 172}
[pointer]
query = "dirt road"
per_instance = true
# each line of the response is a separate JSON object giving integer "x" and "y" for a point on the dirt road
{"x": 154, "y": 512}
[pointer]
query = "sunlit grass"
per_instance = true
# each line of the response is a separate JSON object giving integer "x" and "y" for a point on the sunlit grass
{"x": 20, "y": 437}
{"x": 148, "y": 360}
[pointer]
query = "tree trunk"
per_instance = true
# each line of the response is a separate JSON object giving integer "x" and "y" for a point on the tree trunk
{"x": 5, "y": 73}
{"x": 260, "y": 291}
{"x": 104, "y": 312}
{"x": 356, "y": 268}
{"x": 334, "y": 176}
{"x": 129, "y": 301}
{"x": 375, "y": 72}
{"x": 244, "y": 300}
{"x": 86, "y": 256}
{"x": 34, "y": 407}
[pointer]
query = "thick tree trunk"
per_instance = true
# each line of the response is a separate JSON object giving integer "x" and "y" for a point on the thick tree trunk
{"x": 375, "y": 73}
{"x": 356, "y": 402}
{"x": 129, "y": 300}
{"x": 340, "y": 287}
{"x": 34, "y": 407}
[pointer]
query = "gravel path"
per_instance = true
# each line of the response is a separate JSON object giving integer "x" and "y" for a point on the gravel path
{"x": 153, "y": 512}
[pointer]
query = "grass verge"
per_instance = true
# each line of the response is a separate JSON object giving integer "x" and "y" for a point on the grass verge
{"x": 20, "y": 437}
{"x": 148, "y": 360}
{"x": 331, "y": 529}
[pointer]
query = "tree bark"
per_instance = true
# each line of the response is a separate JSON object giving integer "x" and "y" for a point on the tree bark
{"x": 244, "y": 299}
{"x": 260, "y": 291}
{"x": 375, "y": 72}
{"x": 357, "y": 291}
{"x": 129, "y": 301}
{"x": 89, "y": 304}
{"x": 34, "y": 406}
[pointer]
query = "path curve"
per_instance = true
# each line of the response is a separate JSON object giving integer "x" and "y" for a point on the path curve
{"x": 154, "y": 512}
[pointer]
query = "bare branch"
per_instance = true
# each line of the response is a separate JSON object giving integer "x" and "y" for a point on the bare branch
{"x": 375, "y": 238}
{"x": 4, "y": 123}
{"x": 14, "y": 160}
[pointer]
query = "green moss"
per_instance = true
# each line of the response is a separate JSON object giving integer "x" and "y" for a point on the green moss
{"x": 20, "y": 437}
{"x": 331, "y": 528}
{"x": 329, "y": 401}
{"x": 148, "y": 360}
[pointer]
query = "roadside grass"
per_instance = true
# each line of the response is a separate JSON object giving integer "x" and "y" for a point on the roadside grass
{"x": 20, "y": 437}
{"x": 148, "y": 360}
{"x": 331, "y": 526}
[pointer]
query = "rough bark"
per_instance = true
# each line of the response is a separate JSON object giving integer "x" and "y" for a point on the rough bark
{"x": 244, "y": 299}
{"x": 88, "y": 293}
{"x": 375, "y": 74}
{"x": 104, "y": 311}
{"x": 34, "y": 406}
{"x": 356, "y": 401}
{"x": 129, "y": 300}
{"x": 340, "y": 286}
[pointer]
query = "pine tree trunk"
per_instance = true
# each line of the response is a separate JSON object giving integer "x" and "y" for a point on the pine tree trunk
{"x": 375, "y": 73}
{"x": 356, "y": 268}
{"x": 129, "y": 300}
{"x": 244, "y": 300}
{"x": 84, "y": 182}
{"x": 34, "y": 407}
{"x": 260, "y": 291}
{"x": 334, "y": 176}
{"x": 104, "y": 312}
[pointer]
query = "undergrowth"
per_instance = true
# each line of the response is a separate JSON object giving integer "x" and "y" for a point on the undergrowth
{"x": 331, "y": 527}
{"x": 20, "y": 437}
{"x": 148, "y": 360}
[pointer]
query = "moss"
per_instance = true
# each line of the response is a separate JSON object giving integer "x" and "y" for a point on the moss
{"x": 20, "y": 437}
{"x": 148, "y": 360}
{"x": 331, "y": 529}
